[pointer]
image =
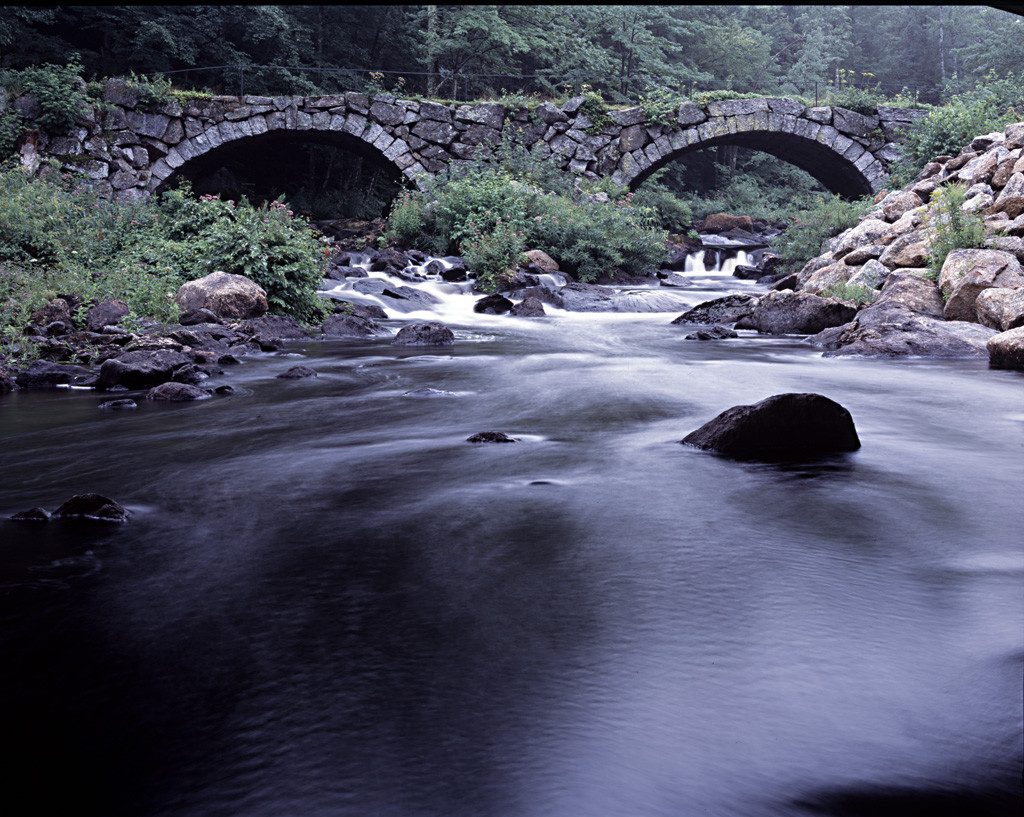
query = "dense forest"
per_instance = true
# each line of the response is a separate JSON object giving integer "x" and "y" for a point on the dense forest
{"x": 620, "y": 50}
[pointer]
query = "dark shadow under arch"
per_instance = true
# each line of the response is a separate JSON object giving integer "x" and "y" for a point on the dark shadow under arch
{"x": 836, "y": 173}
{"x": 310, "y": 168}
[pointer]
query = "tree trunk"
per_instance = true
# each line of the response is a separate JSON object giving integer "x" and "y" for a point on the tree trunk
{"x": 942, "y": 49}
{"x": 432, "y": 46}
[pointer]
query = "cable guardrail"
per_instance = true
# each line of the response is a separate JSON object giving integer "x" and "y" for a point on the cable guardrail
{"x": 268, "y": 80}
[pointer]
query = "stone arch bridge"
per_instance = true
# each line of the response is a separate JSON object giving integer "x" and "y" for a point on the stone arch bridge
{"x": 128, "y": 150}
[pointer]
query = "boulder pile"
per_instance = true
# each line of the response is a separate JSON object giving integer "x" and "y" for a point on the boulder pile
{"x": 972, "y": 307}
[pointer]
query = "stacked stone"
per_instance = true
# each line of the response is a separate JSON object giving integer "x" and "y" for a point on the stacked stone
{"x": 978, "y": 286}
{"x": 126, "y": 150}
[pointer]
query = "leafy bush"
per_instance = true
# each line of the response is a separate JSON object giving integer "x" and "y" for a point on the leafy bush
{"x": 59, "y": 90}
{"x": 827, "y": 216}
{"x": 489, "y": 215}
{"x": 951, "y": 227}
{"x": 946, "y": 129}
{"x": 58, "y": 235}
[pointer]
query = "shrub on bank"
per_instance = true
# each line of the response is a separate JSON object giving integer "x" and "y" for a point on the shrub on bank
{"x": 824, "y": 217}
{"x": 490, "y": 214}
{"x": 58, "y": 236}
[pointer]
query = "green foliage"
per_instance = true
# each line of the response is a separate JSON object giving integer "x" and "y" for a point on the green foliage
{"x": 951, "y": 227}
{"x": 673, "y": 213}
{"x": 266, "y": 243}
{"x": 827, "y": 216}
{"x": 946, "y": 129}
{"x": 489, "y": 215}
{"x": 596, "y": 110}
{"x": 152, "y": 90}
{"x": 494, "y": 255}
{"x": 856, "y": 293}
{"x": 11, "y": 127}
{"x": 58, "y": 235}
{"x": 57, "y": 89}
{"x": 661, "y": 105}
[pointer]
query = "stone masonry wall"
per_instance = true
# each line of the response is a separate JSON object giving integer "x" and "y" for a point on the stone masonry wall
{"x": 127, "y": 150}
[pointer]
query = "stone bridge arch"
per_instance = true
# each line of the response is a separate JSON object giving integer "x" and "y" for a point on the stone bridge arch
{"x": 848, "y": 152}
{"x": 125, "y": 149}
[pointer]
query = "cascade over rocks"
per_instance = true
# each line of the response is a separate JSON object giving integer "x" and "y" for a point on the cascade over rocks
{"x": 781, "y": 427}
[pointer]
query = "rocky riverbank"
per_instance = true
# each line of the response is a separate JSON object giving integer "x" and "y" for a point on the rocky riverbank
{"x": 973, "y": 307}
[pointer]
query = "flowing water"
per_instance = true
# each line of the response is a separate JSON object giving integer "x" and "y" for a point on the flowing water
{"x": 327, "y": 602}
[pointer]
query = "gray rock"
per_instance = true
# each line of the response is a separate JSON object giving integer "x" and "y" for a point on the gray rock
{"x": 141, "y": 369}
{"x": 1006, "y": 350}
{"x": 726, "y": 310}
{"x": 228, "y": 296}
{"x": 177, "y": 393}
{"x": 298, "y": 373}
{"x": 429, "y": 333}
{"x": 800, "y": 313}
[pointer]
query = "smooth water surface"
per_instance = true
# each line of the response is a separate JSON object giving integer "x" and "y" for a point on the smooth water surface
{"x": 327, "y": 602}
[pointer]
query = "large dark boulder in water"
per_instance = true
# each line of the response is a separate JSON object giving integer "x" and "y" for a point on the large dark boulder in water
{"x": 43, "y": 374}
{"x": 781, "y": 427}
{"x": 493, "y": 304}
{"x": 141, "y": 369}
{"x": 430, "y": 333}
{"x": 800, "y": 313}
{"x": 92, "y": 506}
{"x": 726, "y": 310}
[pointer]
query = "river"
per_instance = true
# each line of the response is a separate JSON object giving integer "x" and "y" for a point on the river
{"x": 328, "y": 603}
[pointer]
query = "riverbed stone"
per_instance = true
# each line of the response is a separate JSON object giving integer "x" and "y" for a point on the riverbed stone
{"x": 177, "y": 393}
{"x": 141, "y": 368}
{"x": 91, "y": 507}
{"x": 1006, "y": 349}
{"x": 726, "y": 310}
{"x": 490, "y": 437}
{"x": 344, "y": 325}
{"x": 427, "y": 333}
{"x": 45, "y": 374}
{"x": 781, "y": 427}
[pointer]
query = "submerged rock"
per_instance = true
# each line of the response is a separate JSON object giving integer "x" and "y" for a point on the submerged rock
{"x": 490, "y": 437}
{"x": 31, "y": 515}
{"x": 712, "y": 333}
{"x": 93, "y": 507}
{"x": 341, "y": 325}
{"x": 298, "y": 373}
{"x": 781, "y": 427}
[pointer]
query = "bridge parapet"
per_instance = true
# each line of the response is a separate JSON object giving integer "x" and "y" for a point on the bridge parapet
{"x": 128, "y": 151}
